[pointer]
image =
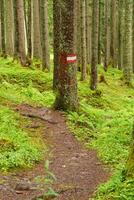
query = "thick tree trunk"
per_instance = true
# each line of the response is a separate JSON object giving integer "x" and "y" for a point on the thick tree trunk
{"x": 95, "y": 34}
{"x": 66, "y": 97}
{"x": 9, "y": 27}
{"x": 44, "y": 34}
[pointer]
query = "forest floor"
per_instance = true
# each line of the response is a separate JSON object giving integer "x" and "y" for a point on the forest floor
{"x": 57, "y": 152}
{"x": 77, "y": 170}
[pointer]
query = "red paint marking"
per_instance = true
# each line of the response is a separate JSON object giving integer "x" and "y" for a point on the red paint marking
{"x": 67, "y": 58}
{"x": 71, "y": 58}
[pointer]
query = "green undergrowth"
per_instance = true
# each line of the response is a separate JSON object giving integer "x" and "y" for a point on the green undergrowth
{"x": 24, "y": 85}
{"x": 17, "y": 148}
{"x": 104, "y": 122}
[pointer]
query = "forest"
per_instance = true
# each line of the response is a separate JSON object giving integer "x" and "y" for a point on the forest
{"x": 66, "y": 99}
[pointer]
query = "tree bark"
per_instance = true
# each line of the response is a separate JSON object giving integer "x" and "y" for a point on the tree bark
{"x": 107, "y": 34}
{"x": 44, "y": 34}
{"x": 21, "y": 32}
{"x": 56, "y": 40}
{"x": 37, "y": 53}
{"x": 83, "y": 41}
{"x": 127, "y": 46}
{"x": 2, "y": 8}
{"x": 9, "y": 27}
{"x": 66, "y": 97}
{"x": 95, "y": 34}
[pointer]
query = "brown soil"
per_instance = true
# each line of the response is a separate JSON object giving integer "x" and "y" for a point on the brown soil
{"x": 78, "y": 170}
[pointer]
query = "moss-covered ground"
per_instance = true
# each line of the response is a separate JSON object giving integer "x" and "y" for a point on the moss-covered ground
{"x": 103, "y": 122}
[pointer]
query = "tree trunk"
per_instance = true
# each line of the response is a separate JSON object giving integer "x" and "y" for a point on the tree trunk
{"x": 21, "y": 32}
{"x": 9, "y": 27}
{"x": 133, "y": 37}
{"x": 121, "y": 33}
{"x": 16, "y": 31}
{"x": 44, "y": 34}
{"x": 83, "y": 41}
{"x": 29, "y": 26}
{"x": 107, "y": 34}
{"x": 95, "y": 34}
{"x": 66, "y": 97}
{"x": 36, "y": 31}
{"x": 114, "y": 34}
{"x": 127, "y": 46}
{"x": 78, "y": 36}
{"x": 2, "y": 8}
{"x": 57, "y": 38}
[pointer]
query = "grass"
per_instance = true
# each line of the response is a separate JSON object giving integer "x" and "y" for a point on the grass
{"x": 17, "y": 148}
{"x": 103, "y": 122}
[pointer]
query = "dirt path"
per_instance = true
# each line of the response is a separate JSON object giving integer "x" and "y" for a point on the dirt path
{"x": 78, "y": 170}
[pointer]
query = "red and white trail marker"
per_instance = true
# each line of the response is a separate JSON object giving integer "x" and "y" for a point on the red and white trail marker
{"x": 71, "y": 58}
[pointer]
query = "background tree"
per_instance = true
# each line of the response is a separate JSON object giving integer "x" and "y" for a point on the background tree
{"x": 56, "y": 40}
{"x": 127, "y": 46}
{"x": 107, "y": 34}
{"x": 21, "y": 32}
{"x": 9, "y": 27}
{"x": 43, "y": 5}
{"x": 2, "y": 13}
{"x": 37, "y": 52}
{"x": 83, "y": 41}
{"x": 95, "y": 34}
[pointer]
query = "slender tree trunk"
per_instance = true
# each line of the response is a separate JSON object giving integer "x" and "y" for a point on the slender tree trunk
{"x": 28, "y": 22}
{"x": 127, "y": 50}
{"x": 107, "y": 34}
{"x": 87, "y": 30}
{"x": 44, "y": 34}
{"x": 21, "y": 32}
{"x": 2, "y": 9}
{"x": 83, "y": 40}
{"x": 121, "y": 33}
{"x": 0, "y": 35}
{"x": 36, "y": 31}
{"x": 95, "y": 34}
{"x": 101, "y": 31}
{"x": 57, "y": 38}
{"x": 16, "y": 31}
{"x": 114, "y": 33}
{"x": 66, "y": 97}
{"x": 133, "y": 37}
{"x": 9, "y": 27}
{"x": 78, "y": 44}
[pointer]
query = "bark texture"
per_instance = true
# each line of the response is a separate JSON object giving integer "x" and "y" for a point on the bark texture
{"x": 66, "y": 97}
{"x": 95, "y": 34}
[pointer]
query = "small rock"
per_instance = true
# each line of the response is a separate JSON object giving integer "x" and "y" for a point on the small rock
{"x": 22, "y": 186}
